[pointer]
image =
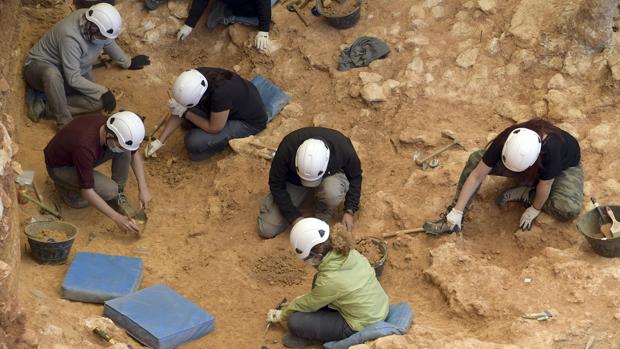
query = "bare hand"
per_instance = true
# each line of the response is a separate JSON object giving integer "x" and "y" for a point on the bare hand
{"x": 127, "y": 224}
{"x": 145, "y": 198}
{"x": 347, "y": 220}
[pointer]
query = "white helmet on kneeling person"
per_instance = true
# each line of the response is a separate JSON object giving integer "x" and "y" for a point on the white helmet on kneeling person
{"x": 306, "y": 234}
{"x": 521, "y": 149}
{"x": 311, "y": 161}
{"x": 128, "y": 129}
{"x": 107, "y": 18}
{"x": 189, "y": 87}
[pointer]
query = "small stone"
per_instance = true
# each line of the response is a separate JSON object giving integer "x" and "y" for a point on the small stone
{"x": 52, "y": 330}
{"x": 417, "y": 12}
{"x": 4, "y": 85}
{"x": 236, "y": 68}
{"x": 370, "y": 77}
{"x": 527, "y": 280}
{"x": 506, "y": 109}
{"x": 354, "y": 91}
{"x": 238, "y": 34}
{"x": 512, "y": 69}
{"x": 416, "y": 65}
{"x": 148, "y": 25}
{"x": 373, "y": 92}
{"x": 467, "y": 58}
{"x": 418, "y": 40}
{"x": 524, "y": 59}
{"x": 438, "y": 12}
{"x": 431, "y": 3}
{"x": 540, "y": 109}
{"x": 461, "y": 29}
{"x": 5, "y": 270}
{"x": 152, "y": 36}
{"x": 389, "y": 85}
{"x": 418, "y": 24}
{"x": 178, "y": 9}
{"x": 38, "y": 293}
{"x": 293, "y": 110}
{"x": 493, "y": 46}
{"x": 327, "y": 3}
{"x": 487, "y": 6}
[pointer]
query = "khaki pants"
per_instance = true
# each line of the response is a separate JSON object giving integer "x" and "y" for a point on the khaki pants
{"x": 328, "y": 195}
{"x": 108, "y": 188}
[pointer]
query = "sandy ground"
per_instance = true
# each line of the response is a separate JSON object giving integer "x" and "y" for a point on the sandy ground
{"x": 452, "y": 66}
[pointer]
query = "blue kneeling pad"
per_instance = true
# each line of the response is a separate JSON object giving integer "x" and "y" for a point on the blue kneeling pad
{"x": 96, "y": 278}
{"x": 274, "y": 99}
{"x": 159, "y": 318}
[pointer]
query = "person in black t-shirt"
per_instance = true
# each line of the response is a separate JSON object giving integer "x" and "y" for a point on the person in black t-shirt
{"x": 218, "y": 104}
{"x": 545, "y": 161}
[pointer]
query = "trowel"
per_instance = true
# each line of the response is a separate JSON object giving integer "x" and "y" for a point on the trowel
{"x": 615, "y": 227}
{"x": 26, "y": 179}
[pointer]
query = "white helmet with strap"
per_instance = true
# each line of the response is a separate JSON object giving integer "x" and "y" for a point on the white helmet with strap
{"x": 311, "y": 161}
{"x": 128, "y": 129}
{"x": 107, "y": 18}
{"x": 521, "y": 149}
{"x": 306, "y": 234}
{"x": 189, "y": 87}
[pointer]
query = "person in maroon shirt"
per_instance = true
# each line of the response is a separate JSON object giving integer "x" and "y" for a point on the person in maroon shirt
{"x": 87, "y": 142}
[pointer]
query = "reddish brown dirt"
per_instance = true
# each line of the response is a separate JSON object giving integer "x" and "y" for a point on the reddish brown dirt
{"x": 370, "y": 250}
{"x": 201, "y": 237}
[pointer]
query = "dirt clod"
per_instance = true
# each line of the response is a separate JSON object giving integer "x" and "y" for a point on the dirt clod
{"x": 337, "y": 8}
{"x": 369, "y": 249}
{"x": 51, "y": 235}
{"x": 278, "y": 269}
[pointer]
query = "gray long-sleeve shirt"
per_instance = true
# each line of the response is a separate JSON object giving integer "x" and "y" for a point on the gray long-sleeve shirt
{"x": 65, "y": 47}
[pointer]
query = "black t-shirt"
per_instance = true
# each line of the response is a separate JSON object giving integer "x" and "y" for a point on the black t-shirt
{"x": 237, "y": 95}
{"x": 559, "y": 152}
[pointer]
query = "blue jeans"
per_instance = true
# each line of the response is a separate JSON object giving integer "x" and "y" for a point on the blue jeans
{"x": 222, "y": 14}
{"x": 201, "y": 145}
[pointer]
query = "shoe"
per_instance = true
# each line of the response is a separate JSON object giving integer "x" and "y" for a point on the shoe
{"x": 35, "y": 101}
{"x": 152, "y": 4}
{"x": 72, "y": 198}
{"x": 518, "y": 194}
{"x": 121, "y": 205}
{"x": 441, "y": 226}
{"x": 291, "y": 341}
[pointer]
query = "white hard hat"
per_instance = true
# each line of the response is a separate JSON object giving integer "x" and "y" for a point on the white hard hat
{"x": 308, "y": 233}
{"x": 189, "y": 87}
{"x": 521, "y": 149}
{"x": 107, "y": 19}
{"x": 311, "y": 161}
{"x": 128, "y": 129}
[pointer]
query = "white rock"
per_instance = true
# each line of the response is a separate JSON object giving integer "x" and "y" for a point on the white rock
{"x": 557, "y": 82}
{"x": 512, "y": 69}
{"x": 540, "y": 109}
{"x": 152, "y": 36}
{"x": 614, "y": 65}
{"x": 395, "y": 29}
{"x": 5, "y": 270}
{"x": 431, "y": 3}
{"x": 603, "y": 137}
{"x": 373, "y": 92}
{"x": 428, "y": 77}
{"x": 438, "y": 11}
{"x": 293, "y": 110}
{"x": 52, "y": 330}
{"x": 178, "y": 9}
{"x": 488, "y": 6}
{"x": 416, "y": 65}
{"x": 493, "y": 46}
{"x": 417, "y": 12}
{"x": 461, "y": 29}
{"x": 148, "y": 24}
{"x": 389, "y": 85}
{"x": 417, "y": 39}
{"x": 419, "y": 24}
{"x": 367, "y": 77}
{"x": 523, "y": 58}
{"x": 467, "y": 58}
{"x": 4, "y": 85}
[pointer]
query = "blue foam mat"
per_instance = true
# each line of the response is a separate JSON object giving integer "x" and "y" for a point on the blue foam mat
{"x": 159, "y": 317}
{"x": 96, "y": 277}
{"x": 274, "y": 99}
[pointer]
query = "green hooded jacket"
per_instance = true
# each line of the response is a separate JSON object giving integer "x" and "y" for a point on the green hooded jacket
{"x": 348, "y": 285}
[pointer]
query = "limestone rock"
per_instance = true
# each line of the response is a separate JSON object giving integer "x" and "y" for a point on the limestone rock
{"x": 431, "y": 3}
{"x": 540, "y": 109}
{"x": 523, "y": 59}
{"x": 354, "y": 90}
{"x": 4, "y": 85}
{"x": 461, "y": 29}
{"x": 557, "y": 82}
{"x": 389, "y": 85}
{"x": 594, "y": 21}
{"x": 5, "y": 270}
{"x": 603, "y": 137}
{"x": 487, "y": 6}
{"x": 238, "y": 34}
{"x": 321, "y": 120}
{"x": 493, "y": 46}
{"x": 292, "y": 110}
{"x": 438, "y": 11}
{"x": 178, "y": 9}
{"x": 417, "y": 12}
{"x": 467, "y": 58}
{"x": 506, "y": 109}
{"x": 370, "y": 77}
{"x": 525, "y": 24}
{"x": 373, "y": 92}
{"x": 416, "y": 39}
{"x": 392, "y": 342}
{"x": 613, "y": 62}
{"x": 152, "y": 36}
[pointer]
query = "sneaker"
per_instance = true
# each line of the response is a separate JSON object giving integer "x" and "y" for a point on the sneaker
{"x": 518, "y": 194}
{"x": 291, "y": 341}
{"x": 35, "y": 101}
{"x": 72, "y": 198}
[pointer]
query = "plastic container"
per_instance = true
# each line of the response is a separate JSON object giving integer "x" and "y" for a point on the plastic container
{"x": 589, "y": 225}
{"x": 380, "y": 265}
{"x": 51, "y": 251}
{"x": 345, "y": 21}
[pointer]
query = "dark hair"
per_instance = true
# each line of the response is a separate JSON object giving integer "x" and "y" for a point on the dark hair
{"x": 540, "y": 126}
{"x": 215, "y": 75}
{"x": 322, "y": 248}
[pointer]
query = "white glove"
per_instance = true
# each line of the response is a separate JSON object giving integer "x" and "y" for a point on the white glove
{"x": 274, "y": 315}
{"x": 152, "y": 147}
{"x": 262, "y": 40}
{"x": 176, "y": 108}
{"x": 184, "y": 32}
{"x": 528, "y": 217}
{"x": 455, "y": 218}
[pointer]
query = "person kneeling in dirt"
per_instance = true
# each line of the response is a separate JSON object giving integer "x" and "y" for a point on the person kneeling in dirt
{"x": 542, "y": 158}
{"x": 60, "y": 64}
{"x": 345, "y": 297}
{"x": 308, "y": 158}
{"x": 86, "y": 143}
{"x": 256, "y": 13}
{"x": 218, "y": 106}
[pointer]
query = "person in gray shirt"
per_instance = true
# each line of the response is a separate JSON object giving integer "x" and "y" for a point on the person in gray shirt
{"x": 60, "y": 64}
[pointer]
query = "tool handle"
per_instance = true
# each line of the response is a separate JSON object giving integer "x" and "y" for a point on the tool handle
{"x": 401, "y": 232}
{"x": 435, "y": 153}
{"x": 611, "y": 214}
{"x": 281, "y": 304}
{"x": 41, "y": 205}
{"x": 157, "y": 127}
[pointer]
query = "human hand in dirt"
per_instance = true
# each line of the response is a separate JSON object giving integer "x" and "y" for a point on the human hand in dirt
{"x": 184, "y": 32}
{"x": 262, "y": 40}
{"x": 152, "y": 148}
{"x": 176, "y": 108}
{"x": 347, "y": 220}
{"x": 455, "y": 219}
{"x": 274, "y": 315}
{"x": 109, "y": 101}
{"x": 127, "y": 224}
{"x": 145, "y": 197}
{"x": 139, "y": 61}
{"x": 528, "y": 218}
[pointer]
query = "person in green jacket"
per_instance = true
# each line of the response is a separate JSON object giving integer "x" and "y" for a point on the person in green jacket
{"x": 345, "y": 297}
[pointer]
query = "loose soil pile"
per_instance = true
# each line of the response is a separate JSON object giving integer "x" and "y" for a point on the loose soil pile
{"x": 369, "y": 249}
{"x": 336, "y": 8}
{"x": 278, "y": 269}
{"x": 51, "y": 235}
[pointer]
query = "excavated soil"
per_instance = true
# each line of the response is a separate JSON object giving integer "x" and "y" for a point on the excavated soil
{"x": 337, "y": 8}
{"x": 369, "y": 249}
{"x": 51, "y": 235}
{"x": 474, "y": 67}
